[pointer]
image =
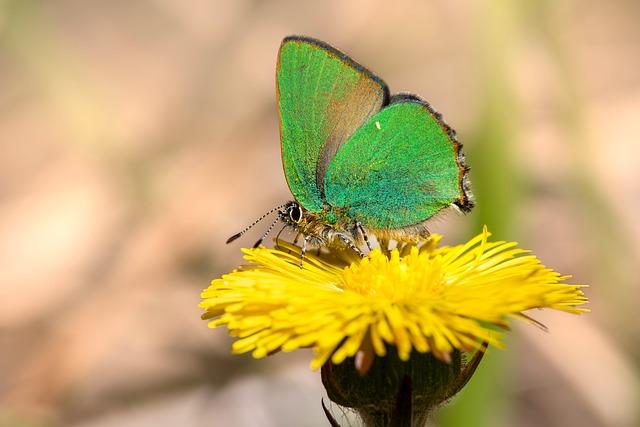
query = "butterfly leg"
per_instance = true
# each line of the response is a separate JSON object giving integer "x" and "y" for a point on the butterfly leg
{"x": 364, "y": 234}
{"x": 351, "y": 245}
{"x": 279, "y": 233}
{"x": 303, "y": 250}
{"x": 295, "y": 239}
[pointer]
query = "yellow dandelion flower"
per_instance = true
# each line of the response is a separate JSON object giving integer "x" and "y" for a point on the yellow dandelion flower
{"x": 427, "y": 299}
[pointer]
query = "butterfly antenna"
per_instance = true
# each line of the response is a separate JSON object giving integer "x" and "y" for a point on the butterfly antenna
{"x": 237, "y": 235}
{"x": 266, "y": 233}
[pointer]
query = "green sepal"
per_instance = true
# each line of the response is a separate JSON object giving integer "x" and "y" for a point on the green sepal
{"x": 383, "y": 395}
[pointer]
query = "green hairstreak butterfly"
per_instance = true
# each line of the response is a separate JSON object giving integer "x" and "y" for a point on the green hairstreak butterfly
{"x": 356, "y": 159}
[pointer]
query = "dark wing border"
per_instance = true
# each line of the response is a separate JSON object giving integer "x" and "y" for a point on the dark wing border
{"x": 465, "y": 202}
{"x": 344, "y": 58}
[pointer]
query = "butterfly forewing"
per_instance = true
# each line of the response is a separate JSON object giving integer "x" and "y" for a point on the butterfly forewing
{"x": 323, "y": 98}
{"x": 397, "y": 170}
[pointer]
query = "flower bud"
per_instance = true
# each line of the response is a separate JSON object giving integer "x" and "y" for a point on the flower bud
{"x": 392, "y": 391}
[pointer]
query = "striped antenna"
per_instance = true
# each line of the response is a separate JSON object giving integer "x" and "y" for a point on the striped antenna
{"x": 237, "y": 235}
{"x": 266, "y": 233}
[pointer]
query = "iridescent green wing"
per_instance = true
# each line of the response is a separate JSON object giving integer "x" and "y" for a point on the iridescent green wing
{"x": 323, "y": 96}
{"x": 399, "y": 169}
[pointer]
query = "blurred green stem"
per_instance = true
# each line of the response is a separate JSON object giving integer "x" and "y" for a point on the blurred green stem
{"x": 495, "y": 183}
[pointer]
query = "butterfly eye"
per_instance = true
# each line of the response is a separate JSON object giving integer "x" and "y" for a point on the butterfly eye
{"x": 295, "y": 213}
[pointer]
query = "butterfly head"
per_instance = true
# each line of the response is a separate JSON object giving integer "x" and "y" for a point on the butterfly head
{"x": 292, "y": 214}
{"x": 314, "y": 226}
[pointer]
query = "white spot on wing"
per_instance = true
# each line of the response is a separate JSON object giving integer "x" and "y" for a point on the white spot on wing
{"x": 378, "y": 125}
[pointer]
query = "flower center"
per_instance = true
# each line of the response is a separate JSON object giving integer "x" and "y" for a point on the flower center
{"x": 395, "y": 278}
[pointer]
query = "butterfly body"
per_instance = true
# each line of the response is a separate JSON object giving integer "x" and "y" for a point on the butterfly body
{"x": 356, "y": 159}
{"x": 323, "y": 228}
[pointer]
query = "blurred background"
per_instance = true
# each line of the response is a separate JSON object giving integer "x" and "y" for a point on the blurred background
{"x": 136, "y": 137}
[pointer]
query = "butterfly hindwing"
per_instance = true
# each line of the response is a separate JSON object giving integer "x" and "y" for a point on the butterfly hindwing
{"x": 323, "y": 97}
{"x": 399, "y": 169}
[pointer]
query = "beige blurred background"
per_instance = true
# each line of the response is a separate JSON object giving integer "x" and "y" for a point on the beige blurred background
{"x": 136, "y": 136}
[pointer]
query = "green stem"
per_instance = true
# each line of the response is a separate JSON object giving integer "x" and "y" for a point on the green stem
{"x": 496, "y": 184}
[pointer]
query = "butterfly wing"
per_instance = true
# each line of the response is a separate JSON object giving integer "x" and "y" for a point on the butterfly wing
{"x": 323, "y": 97}
{"x": 399, "y": 169}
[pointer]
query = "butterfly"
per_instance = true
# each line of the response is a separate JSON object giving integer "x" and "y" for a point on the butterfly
{"x": 356, "y": 159}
